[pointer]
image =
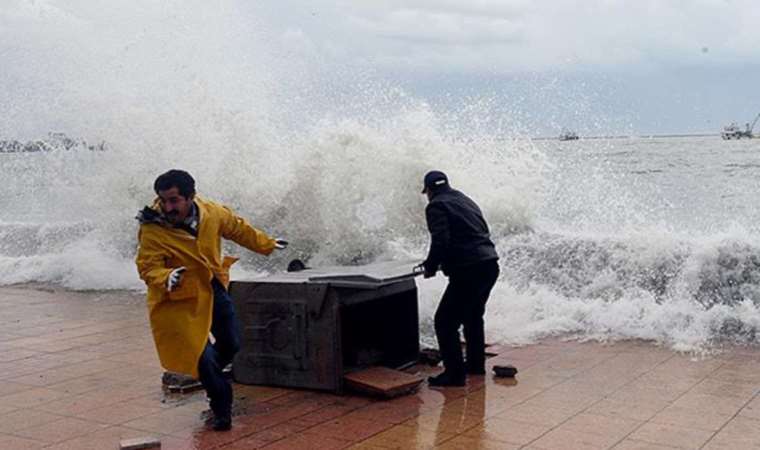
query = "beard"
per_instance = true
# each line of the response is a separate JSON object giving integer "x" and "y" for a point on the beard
{"x": 172, "y": 217}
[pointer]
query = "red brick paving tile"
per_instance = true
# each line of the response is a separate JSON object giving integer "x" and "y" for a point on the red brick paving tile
{"x": 507, "y": 431}
{"x": 25, "y": 418}
{"x": 95, "y": 366}
{"x": 384, "y": 413}
{"x": 17, "y": 443}
{"x": 409, "y": 437}
{"x": 256, "y": 440}
{"x": 470, "y": 443}
{"x": 350, "y": 428}
{"x": 259, "y": 393}
{"x": 45, "y": 377}
{"x": 739, "y": 433}
{"x": 107, "y": 438}
{"x": 327, "y": 413}
{"x": 171, "y": 443}
{"x": 671, "y": 435}
{"x": 82, "y": 385}
{"x": 292, "y": 397}
{"x": 93, "y": 399}
{"x": 115, "y": 415}
{"x": 354, "y": 402}
{"x": 195, "y": 407}
{"x": 415, "y": 401}
{"x": 45, "y": 362}
{"x": 32, "y": 397}
{"x": 562, "y": 438}
{"x": 240, "y": 429}
{"x": 72, "y": 405}
{"x": 73, "y": 356}
{"x": 9, "y": 387}
{"x": 294, "y": 425}
{"x": 52, "y": 346}
{"x": 309, "y": 441}
{"x": 267, "y": 420}
{"x": 630, "y": 444}
{"x": 206, "y": 438}
{"x": 165, "y": 422}
{"x": 243, "y": 445}
{"x": 280, "y": 415}
{"x": 19, "y": 369}
{"x": 368, "y": 445}
{"x": 5, "y": 409}
{"x": 136, "y": 357}
{"x": 60, "y": 430}
{"x": 16, "y": 354}
{"x": 441, "y": 420}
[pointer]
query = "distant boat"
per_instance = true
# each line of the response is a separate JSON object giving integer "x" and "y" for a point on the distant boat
{"x": 568, "y": 136}
{"x": 733, "y": 131}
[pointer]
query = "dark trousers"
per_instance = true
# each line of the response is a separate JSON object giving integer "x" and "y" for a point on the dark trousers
{"x": 464, "y": 304}
{"x": 216, "y": 356}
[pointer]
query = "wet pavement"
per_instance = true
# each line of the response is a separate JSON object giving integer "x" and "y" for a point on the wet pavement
{"x": 79, "y": 371}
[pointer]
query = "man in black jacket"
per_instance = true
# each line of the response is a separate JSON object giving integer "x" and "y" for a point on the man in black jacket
{"x": 461, "y": 246}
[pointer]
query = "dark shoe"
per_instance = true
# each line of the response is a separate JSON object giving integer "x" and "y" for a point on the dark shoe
{"x": 446, "y": 379}
{"x": 507, "y": 371}
{"x": 222, "y": 423}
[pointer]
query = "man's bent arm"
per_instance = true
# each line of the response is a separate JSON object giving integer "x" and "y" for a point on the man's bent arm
{"x": 151, "y": 263}
{"x": 438, "y": 225}
{"x": 237, "y": 229}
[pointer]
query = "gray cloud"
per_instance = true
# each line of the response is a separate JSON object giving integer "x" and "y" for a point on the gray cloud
{"x": 508, "y": 36}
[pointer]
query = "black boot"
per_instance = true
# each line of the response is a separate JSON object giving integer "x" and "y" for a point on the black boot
{"x": 446, "y": 379}
{"x": 222, "y": 422}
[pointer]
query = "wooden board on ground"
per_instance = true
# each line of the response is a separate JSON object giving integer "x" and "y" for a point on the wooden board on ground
{"x": 382, "y": 381}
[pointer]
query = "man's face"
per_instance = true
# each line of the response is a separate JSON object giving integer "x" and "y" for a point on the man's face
{"x": 175, "y": 206}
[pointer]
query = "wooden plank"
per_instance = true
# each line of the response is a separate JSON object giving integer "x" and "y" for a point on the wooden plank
{"x": 382, "y": 381}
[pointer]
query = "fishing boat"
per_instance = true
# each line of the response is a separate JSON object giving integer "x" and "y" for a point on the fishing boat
{"x": 733, "y": 131}
{"x": 568, "y": 136}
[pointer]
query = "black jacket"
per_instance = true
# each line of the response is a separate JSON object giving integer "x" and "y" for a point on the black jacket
{"x": 459, "y": 233}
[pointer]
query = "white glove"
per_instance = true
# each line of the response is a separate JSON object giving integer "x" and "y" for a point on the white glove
{"x": 280, "y": 244}
{"x": 174, "y": 278}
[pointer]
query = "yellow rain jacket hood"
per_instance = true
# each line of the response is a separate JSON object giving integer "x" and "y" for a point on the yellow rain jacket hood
{"x": 181, "y": 319}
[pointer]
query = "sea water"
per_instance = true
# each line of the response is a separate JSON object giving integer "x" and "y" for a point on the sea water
{"x": 652, "y": 238}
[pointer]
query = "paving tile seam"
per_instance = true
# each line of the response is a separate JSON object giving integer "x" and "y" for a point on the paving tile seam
{"x": 483, "y": 388}
{"x": 671, "y": 402}
{"x": 646, "y": 442}
{"x": 448, "y": 400}
{"x": 732, "y": 418}
{"x": 273, "y": 425}
{"x": 596, "y": 402}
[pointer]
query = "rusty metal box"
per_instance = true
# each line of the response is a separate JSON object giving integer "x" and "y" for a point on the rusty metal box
{"x": 308, "y": 329}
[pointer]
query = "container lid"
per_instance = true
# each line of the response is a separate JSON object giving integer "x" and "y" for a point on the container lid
{"x": 367, "y": 276}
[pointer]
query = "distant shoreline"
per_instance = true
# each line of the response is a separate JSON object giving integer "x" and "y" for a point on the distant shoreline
{"x": 642, "y": 136}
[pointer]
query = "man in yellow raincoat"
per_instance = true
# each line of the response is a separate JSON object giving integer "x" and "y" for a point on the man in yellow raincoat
{"x": 180, "y": 260}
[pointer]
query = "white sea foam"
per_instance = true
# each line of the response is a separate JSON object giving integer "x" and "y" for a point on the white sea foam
{"x": 604, "y": 240}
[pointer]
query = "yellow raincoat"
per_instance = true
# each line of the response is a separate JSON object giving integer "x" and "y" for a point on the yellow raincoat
{"x": 181, "y": 319}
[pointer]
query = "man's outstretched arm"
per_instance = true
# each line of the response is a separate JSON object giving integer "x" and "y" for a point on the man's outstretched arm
{"x": 238, "y": 230}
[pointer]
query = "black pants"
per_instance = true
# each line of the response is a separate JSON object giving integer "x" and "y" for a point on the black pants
{"x": 464, "y": 304}
{"x": 216, "y": 356}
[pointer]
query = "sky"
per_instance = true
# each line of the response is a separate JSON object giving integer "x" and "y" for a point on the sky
{"x": 649, "y": 66}
{"x": 597, "y": 67}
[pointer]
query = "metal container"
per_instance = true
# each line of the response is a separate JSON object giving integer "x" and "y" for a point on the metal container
{"x": 307, "y": 329}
